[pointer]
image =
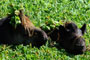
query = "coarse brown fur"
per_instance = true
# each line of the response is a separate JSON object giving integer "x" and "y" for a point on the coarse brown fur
{"x": 25, "y": 33}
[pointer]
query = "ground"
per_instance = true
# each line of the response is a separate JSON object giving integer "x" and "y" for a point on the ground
{"x": 39, "y": 12}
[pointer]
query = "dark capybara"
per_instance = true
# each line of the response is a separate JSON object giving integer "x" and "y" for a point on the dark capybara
{"x": 70, "y": 37}
{"x": 25, "y": 33}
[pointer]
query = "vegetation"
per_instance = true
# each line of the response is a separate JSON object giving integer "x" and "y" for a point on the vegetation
{"x": 43, "y": 12}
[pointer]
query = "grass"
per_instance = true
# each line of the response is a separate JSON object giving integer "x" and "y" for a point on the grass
{"x": 41, "y": 11}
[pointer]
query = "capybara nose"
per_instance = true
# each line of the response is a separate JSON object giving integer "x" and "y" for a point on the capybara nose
{"x": 80, "y": 48}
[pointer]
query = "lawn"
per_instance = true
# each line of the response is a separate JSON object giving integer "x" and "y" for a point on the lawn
{"x": 52, "y": 11}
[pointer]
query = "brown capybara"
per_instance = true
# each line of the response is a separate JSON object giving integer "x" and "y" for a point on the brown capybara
{"x": 25, "y": 33}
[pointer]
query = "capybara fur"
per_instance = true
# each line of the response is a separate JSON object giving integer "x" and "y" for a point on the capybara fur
{"x": 69, "y": 36}
{"x": 25, "y": 33}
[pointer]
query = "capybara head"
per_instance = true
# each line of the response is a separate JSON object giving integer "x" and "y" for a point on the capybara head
{"x": 70, "y": 37}
{"x": 38, "y": 38}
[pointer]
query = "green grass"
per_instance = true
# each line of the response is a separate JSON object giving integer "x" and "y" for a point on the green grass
{"x": 41, "y": 11}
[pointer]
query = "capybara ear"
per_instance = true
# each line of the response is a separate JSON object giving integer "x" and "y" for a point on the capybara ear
{"x": 54, "y": 34}
{"x": 62, "y": 29}
{"x": 83, "y": 28}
